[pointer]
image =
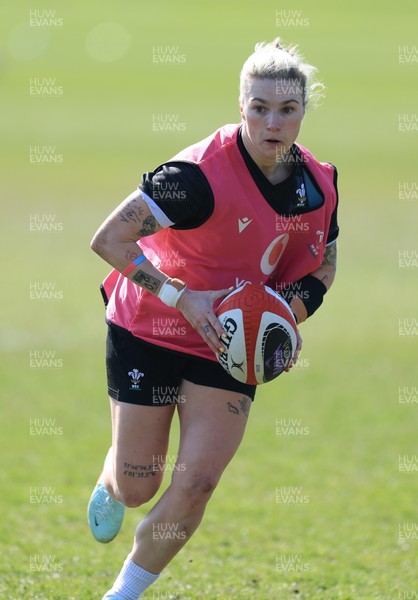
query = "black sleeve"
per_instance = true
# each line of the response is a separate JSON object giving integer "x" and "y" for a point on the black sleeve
{"x": 333, "y": 227}
{"x": 182, "y": 192}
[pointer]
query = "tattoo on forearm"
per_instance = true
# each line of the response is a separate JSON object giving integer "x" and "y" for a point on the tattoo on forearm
{"x": 149, "y": 226}
{"x": 245, "y": 404}
{"x": 131, "y": 255}
{"x": 146, "y": 281}
{"x": 330, "y": 256}
{"x": 233, "y": 409}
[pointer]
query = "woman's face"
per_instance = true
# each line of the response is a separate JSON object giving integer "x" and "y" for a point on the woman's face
{"x": 272, "y": 111}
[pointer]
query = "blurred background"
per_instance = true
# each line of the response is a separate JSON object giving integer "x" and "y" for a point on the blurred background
{"x": 94, "y": 94}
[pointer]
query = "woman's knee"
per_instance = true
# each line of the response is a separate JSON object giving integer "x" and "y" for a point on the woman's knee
{"x": 135, "y": 494}
{"x": 193, "y": 491}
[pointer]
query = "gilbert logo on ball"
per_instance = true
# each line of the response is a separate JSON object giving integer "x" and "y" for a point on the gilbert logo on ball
{"x": 261, "y": 332}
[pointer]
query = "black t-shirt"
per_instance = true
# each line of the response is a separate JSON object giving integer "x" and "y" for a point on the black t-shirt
{"x": 180, "y": 189}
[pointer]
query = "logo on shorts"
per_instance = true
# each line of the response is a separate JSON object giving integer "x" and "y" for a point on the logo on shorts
{"x": 135, "y": 376}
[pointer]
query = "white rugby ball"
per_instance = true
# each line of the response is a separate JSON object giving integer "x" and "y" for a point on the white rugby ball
{"x": 261, "y": 332}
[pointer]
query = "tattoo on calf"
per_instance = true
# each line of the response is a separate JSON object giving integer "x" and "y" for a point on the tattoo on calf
{"x": 139, "y": 471}
{"x": 245, "y": 404}
{"x": 147, "y": 281}
{"x": 233, "y": 409}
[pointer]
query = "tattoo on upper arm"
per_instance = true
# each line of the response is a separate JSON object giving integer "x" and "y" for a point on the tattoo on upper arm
{"x": 132, "y": 212}
{"x": 149, "y": 226}
{"x": 135, "y": 214}
{"x": 330, "y": 256}
{"x": 147, "y": 281}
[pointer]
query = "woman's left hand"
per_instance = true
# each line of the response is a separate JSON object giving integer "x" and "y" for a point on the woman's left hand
{"x": 197, "y": 308}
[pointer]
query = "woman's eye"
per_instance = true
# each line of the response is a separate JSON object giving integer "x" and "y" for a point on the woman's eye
{"x": 288, "y": 109}
{"x": 259, "y": 109}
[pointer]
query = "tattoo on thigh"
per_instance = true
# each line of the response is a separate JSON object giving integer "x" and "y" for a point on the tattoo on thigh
{"x": 233, "y": 409}
{"x": 147, "y": 281}
{"x": 139, "y": 470}
{"x": 245, "y": 404}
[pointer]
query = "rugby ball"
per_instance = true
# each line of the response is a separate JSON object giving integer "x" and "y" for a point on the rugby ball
{"x": 261, "y": 334}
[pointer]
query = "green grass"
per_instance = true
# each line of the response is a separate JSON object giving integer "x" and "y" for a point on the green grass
{"x": 346, "y": 393}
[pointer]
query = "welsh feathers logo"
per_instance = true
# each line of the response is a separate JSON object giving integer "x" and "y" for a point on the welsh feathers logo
{"x": 135, "y": 376}
{"x": 301, "y": 195}
{"x": 273, "y": 253}
{"x": 301, "y": 191}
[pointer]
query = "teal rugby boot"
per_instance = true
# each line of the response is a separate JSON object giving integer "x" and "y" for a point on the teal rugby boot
{"x": 105, "y": 515}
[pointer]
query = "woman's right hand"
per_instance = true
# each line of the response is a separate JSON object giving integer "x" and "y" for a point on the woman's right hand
{"x": 197, "y": 308}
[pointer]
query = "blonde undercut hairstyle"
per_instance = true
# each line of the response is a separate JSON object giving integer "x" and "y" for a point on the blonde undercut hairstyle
{"x": 271, "y": 60}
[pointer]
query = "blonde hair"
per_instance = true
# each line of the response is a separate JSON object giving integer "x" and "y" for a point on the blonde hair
{"x": 271, "y": 60}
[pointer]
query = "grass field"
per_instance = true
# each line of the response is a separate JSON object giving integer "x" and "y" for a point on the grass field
{"x": 90, "y": 81}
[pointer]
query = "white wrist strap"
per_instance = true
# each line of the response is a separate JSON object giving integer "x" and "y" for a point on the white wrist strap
{"x": 170, "y": 294}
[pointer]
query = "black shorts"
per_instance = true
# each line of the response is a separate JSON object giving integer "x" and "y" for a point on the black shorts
{"x": 146, "y": 374}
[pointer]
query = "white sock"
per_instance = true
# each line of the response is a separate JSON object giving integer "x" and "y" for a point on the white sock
{"x": 132, "y": 581}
